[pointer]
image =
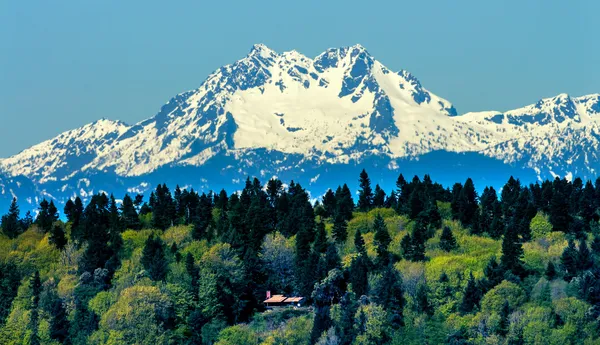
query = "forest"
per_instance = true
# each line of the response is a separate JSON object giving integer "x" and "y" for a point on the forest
{"x": 420, "y": 264}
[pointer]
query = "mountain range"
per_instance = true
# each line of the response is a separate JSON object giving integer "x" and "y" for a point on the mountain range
{"x": 317, "y": 121}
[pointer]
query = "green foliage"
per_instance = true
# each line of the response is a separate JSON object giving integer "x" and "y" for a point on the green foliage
{"x": 540, "y": 226}
{"x": 493, "y": 300}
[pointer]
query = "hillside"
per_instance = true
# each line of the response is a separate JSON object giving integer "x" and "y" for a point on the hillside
{"x": 423, "y": 264}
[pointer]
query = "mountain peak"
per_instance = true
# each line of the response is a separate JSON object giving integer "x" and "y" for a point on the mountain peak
{"x": 262, "y": 50}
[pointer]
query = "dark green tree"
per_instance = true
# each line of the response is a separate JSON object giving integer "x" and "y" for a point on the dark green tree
{"x": 502, "y": 329}
{"x": 423, "y": 305}
{"x": 59, "y": 322}
{"x": 365, "y": 194}
{"x": 467, "y": 203}
{"x": 344, "y": 202}
{"x": 129, "y": 214}
{"x": 596, "y": 246}
{"x": 10, "y": 280}
{"x": 379, "y": 197}
{"x": 154, "y": 259}
{"x": 340, "y": 232}
{"x": 11, "y": 225}
{"x": 382, "y": 241}
{"x": 512, "y": 250}
{"x": 550, "y": 272}
{"x": 447, "y": 240}
{"x": 471, "y": 297}
{"x": 194, "y": 273}
{"x": 585, "y": 261}
{"x": 58, "y": 237}
{"x": 559, "y": 207}
{"x": 329, "y": 203}
{"x": 569, "y": 261}
{"x": 389, "y": 293}
{"x": 36, "y": 288}
{"x": 345, "y": 326}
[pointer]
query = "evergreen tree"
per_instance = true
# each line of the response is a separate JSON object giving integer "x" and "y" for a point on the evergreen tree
{"x": 365, "y": 194}
{"x": 389, "y": 293}
{"x": 423, "y": 305}
{"x": 47, "y": 215}
{"x": 419, "y": 236}
{"x": 129, "y": 214}
{"x": 26, "y": 221}
{"x": 359, "y": 271}
{"x": 10, "y": 280}
{"x": 36, "y": 288}
{"x": 329, "y": 203}
{"x": 569, "y": 261}
{"x": 163, "y": 207}
{"x": 403, "y": 193}
{"x": 456, "y": 202}
{"x": 95, "y": 231}
{"x": 344, "y": 202}
{"x": 447, "y": 240}
{"x": 559, "y": 207}
{"x": 512, "y": 250}
{"x": 509, "y": 196}
{"x": 382, "y": 241}
{"x": 58, "y": 237}
{"x": 59, "y": 322}
{"x": 494, "y": 274}
{"x": 11, "y": 225}
{"x": 320, "y": 244}
{"x": 406, "y": 246}
{"x": 587, "y": 205}
{"x": 194, "y": 273}
{"x": 471, "y": 297}
{"x": 467, "y": 203}
{"x": 502, "y": 329}
{"x": 379, "y": 197}
{"x": 345, "y": 326}
{"x": 305, "y": 267}
{"x": 585, "y": 261}
{"x": 153, "y": 258}
{"x": 340, "y": 226}
{"x": 550, "y": 272}
{"x": 359, "y": 243}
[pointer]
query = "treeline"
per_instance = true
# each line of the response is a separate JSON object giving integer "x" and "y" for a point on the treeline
{"x": 349, "y": 292}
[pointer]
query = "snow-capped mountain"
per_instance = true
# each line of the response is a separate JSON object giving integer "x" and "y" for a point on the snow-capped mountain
{"x": 287, "y": 115}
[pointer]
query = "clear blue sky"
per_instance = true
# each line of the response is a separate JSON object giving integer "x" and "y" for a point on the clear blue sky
{"x": 69, "y": 62}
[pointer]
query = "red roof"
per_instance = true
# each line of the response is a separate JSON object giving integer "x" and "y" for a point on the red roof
{"x": 275, "y": 299}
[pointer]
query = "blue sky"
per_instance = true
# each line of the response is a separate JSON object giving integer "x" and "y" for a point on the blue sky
{"x": 66, "y": 63}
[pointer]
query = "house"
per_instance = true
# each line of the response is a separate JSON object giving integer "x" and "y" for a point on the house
{"x": 276, "y": 301}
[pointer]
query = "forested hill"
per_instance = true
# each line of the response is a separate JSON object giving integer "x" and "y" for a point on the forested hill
{"x": 422, "y": 264}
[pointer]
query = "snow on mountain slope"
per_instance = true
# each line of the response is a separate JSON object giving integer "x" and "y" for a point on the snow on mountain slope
{"x": 339, "y": 106}
{"x": 59, "y": 157}
{"x": 285, "y": 111}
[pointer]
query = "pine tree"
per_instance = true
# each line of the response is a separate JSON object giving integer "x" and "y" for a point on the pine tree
{"x": 406, "y": 246}
{"x": 11, "y": 225}
{"x": 340, "y": 227}
{"x": 509, "y": 196}
{"x": 502, "y": 329}
{"x": 569, "y": 261}
{"x": 467, "y": 203}
{"x": 194, "y": 273}
{"x": 585, "y": 261}
{"x": 471, "y": 297}
{"x": 129, "y": 214}
{"x": 329, "y": 203}
{"x": 47, "y": 215}
{"x": 559, "y": 207}
{"x": 512, "y": 250}
{"x": 359, "y": 271}
{"x": 389, "y": 293}
{"x": 36, "y": 288}
{"x": 359, "y": 243}
{"x": 550, "y": 272}
{"x": 345, "y": 326}
{"x": 494, "y": 274}
{"x": 423, "y": 305}
{"x": 365, "y": 194}
{"x": 58, "y": 237}
{"x": 382, "y": 240}
{"x": 344, "y": 202}
{"x": 403, "y": 193}
{"x": 153, "y": 258}
{"x": 455, "y": 204}
{"x": 379, "y": 197}
{"x": 587, "y": 204}
{"x": 447, "y": 240}
{"x": 320, "y": 244}
{"x": 95, "y": 231}
{"x": 59, "y": 322}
